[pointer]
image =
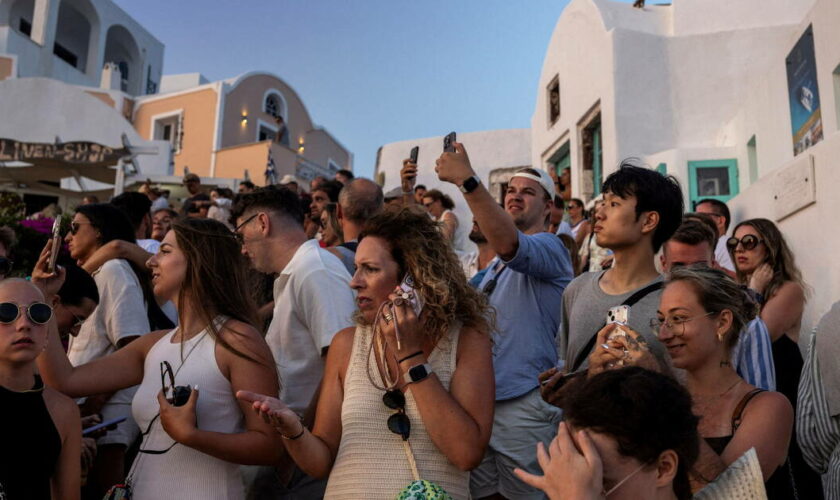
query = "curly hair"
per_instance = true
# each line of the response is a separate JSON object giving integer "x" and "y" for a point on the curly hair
{"x": 779, "y": 257}
{"x": 437, "y": 195}
{"x": 420, "y": 250}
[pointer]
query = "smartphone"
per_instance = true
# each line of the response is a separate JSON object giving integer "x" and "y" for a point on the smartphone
{"x": 413, "y": 156}
{"x": 56, "y": 244}
{"x": 618, "y": 315}
{"x": 449, "y": 143}
{"x": 408, "y": 286}
{"x": 103, "y": 425}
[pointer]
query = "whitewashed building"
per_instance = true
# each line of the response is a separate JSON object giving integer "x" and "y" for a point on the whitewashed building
{"x": 738, "y": 100}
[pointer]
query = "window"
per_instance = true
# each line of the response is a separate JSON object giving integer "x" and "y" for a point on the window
{"x": 752, "y": 157}
{"x": 662, "y": 168}
{"x": 266, "y": 131}
{"x": 123, "y": 66}
{"x": 65, "y": 55}
{"x": 25, "y": 27}
{"x": 272, "y": 105}
{"x": 553, "y": 101}
{"x": 593, "y": 157}
{"x": 169, "y": 128}
{"x": 560, "y": 160}
{"x": 716, "y": 179}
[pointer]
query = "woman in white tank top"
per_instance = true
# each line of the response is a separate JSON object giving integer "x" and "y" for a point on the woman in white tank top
{"x": 190, "y": 450}
{"x": 440, "y": 207}
{"x": 438, "y": 376}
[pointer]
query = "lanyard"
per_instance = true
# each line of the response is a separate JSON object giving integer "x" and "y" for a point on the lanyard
{"x": 490, "y": 287}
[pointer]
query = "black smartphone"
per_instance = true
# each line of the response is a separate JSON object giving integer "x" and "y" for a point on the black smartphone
{"x": 449, "y": 143}
{"x": 413, "y": 156}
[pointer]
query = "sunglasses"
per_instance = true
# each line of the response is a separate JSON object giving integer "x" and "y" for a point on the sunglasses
{"x": 5, "y": 266}
{"x": 749, "y": 242}
{"x": 398, "y": 423}
{"x": 75, "y": 226}
{"x": 38, "y": 312}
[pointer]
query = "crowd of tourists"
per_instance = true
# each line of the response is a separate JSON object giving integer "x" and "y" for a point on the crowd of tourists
{"x": 344, "y": 343}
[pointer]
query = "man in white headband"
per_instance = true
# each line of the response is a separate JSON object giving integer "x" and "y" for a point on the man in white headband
{"x": 525, "y": 284}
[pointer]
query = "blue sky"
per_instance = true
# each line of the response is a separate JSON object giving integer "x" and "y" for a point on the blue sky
{"x": 370, "y": 71}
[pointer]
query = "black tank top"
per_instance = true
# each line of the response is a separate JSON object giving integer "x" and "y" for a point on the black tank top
{"x": 779, "y": 485}
{"x": 30, "y": 444}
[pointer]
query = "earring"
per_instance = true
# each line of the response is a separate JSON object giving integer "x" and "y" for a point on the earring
{"x": 720, "y": 337}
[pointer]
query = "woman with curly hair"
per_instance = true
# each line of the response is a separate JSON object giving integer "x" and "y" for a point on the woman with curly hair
{"x": 408, "y": 392}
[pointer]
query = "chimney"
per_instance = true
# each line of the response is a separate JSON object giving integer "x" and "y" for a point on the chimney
{"x": 111, "y": 77}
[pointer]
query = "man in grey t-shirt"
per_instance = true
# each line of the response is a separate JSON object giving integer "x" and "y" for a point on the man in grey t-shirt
{"x": 641, "y": 210}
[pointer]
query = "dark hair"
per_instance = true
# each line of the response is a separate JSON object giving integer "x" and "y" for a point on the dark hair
{"x": 135, "y": 206}
{"x": 645, "y": 412}
{"x": 654, "y": 192}
{"x": 360, "y": 199}
{"x": 8, "y": 238}
{"x": 437, "y": 195}
{"x": 78, "y": 285}
{"x": 779, "y": 256}
{"x": 558, "y": 202}
{"x": 419, "y": 187}
{"x": 113, "y": 224}
{"x": 345, "y": 173}
{"x": 720, "y": 209}
{"x": 217, "y": 281}
{"x": 572, "y": 246}
{"x": 717, "y": 292}
{"x": 172, "y": 213}
{"x": 694, "y": 232}
{"x": 247, "y": 184}
{"x": 419, "y": 249}
{"x": 331, "y": 189}
{"x": 223, "y": 192}
{"x": 278, "y": 199}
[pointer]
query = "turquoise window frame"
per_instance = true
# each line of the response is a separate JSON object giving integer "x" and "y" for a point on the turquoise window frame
{"x": 597, "y": 159}
{"x": 731, "y": 165}
{"x": 662, "y": 168}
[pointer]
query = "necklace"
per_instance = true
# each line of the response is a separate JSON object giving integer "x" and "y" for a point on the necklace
{"x": 722, "y": 394}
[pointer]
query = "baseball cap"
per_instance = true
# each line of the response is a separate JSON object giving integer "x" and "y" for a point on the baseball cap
{"x": 288, "y": 179}
{"x": 539, "y": 175}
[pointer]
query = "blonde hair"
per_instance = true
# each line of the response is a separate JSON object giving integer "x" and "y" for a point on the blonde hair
{"x": 420, "y": 251}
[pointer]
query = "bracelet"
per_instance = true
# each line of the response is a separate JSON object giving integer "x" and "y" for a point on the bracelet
{"x": 410, "y": 356}
{"x": 296, "y": 436}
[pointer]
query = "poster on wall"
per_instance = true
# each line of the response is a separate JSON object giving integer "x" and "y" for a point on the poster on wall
{"x": 804, "y": 93}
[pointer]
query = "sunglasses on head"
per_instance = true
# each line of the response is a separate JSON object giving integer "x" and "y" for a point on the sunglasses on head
{"x": 398, "y": 423}
{"x": 5, "y": 266}
{"x": 38, "y": 312}
{"x": 749, "y": 242}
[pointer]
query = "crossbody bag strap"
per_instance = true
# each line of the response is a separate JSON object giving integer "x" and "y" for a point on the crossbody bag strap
{"x": 630, "y": 302}
{"x": 739, "y": 410}
{"x": 411, "y": 462}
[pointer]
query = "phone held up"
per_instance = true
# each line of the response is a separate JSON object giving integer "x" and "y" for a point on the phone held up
{"x": 413, "y": 156}
{"x": 449, "y": 143}
{"x": 56, "y": 245}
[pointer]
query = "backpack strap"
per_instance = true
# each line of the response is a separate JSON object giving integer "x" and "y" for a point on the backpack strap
{"x": 739, "y": 410}
{"x": 630, "y": 302}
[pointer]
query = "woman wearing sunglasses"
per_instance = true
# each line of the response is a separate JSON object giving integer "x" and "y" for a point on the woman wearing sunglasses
{"x": 39, "y": 427}
{"x": 606, "y": 447}
{"x": 399, "y": 388}
{"x": 765, "y": 263}
{"x": 193, "y": 437}
{"x": 700, "y": 315}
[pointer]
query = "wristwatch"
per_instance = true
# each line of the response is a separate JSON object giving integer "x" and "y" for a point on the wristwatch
{"x": 417, "y": 373}
{"x": 470, "y": 184}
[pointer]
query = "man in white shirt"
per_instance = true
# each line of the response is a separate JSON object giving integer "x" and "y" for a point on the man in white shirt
{"x": 720, "y": 213}
{"x": 312, "y": 302}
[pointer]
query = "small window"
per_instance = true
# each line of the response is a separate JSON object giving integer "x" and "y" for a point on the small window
{"x": 25, "y": 27}
{"x": 65, "y": 55}
{"x": 553, "y": 101}
{"x": 662, "y": 168}
{"x": 717, "y": 179}
{"x": 273, "y": 106}
{"x": 266, "y": 134}
{"x": 752, "y": 157}
{"x": 169, "y": 129}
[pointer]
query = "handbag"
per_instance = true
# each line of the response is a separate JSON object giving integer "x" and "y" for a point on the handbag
{"x": 420, "y": 489}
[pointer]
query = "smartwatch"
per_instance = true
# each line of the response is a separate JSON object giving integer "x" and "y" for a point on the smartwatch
{"x": 417, "y": 373}
{"x": 470, "y": 184}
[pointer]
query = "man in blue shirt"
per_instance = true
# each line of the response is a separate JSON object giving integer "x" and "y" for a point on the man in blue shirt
{"x": 525, "y": 285}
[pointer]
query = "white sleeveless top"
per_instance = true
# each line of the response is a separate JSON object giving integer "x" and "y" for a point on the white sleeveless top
{"x": 371, "y": 462}
{"x": 460, "y": 240}
{"x": 183, "y": 472}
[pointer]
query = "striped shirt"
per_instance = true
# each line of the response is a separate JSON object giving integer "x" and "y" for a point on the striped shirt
{"x": 817, "y": 431}
{"x": 753, "y": 356}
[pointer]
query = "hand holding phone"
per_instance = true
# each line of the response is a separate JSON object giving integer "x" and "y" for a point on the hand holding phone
{"x": 413, "y": 155}
{"x": 449, "y": 143}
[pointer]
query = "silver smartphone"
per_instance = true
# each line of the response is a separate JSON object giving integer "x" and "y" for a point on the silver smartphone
{"x": 619, "y": 315}
{"x": 56, "y": 245}
{"x": 414, "y": 298}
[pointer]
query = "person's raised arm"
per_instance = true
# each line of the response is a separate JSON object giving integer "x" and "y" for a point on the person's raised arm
{"x": 494, "y": 222}
{"x": 408, "y": 177}
{"x": 783, "y": 311}
{"x": 116, "y": 249}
